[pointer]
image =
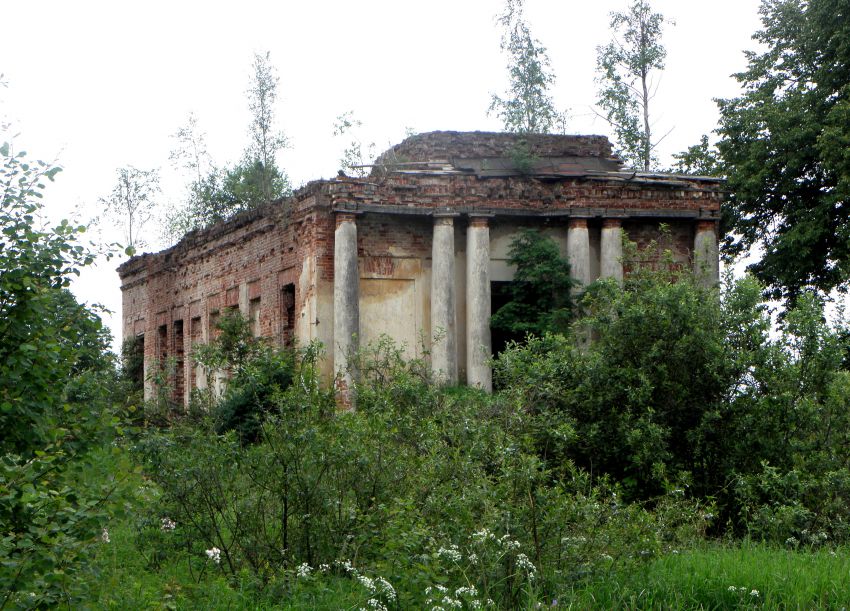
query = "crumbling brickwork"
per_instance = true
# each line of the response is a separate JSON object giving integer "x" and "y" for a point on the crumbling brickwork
{"x": 277, "y": 264}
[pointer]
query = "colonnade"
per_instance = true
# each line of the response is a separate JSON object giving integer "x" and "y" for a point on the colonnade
{"x": 444, "y": 351}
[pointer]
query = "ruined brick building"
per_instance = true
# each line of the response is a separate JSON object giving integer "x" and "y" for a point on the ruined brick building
{"x": 411, "y": 251}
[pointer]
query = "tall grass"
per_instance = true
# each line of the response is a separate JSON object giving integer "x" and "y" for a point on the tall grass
{"x": 744, "y": 575}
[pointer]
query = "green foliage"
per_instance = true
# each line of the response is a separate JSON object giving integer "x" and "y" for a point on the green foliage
{"x": 540, "y": 293}
{"x": 527, "y": 106}
{"x": 45, "y": 336}
{"x": 256, "y": 373}
{"x": 374, "y": 492}
{"x": 266, "y": 139}
{"x": 699, "y": 160}
{"x": 630, "y": 404}
{"x": 223, "y": 193}
{"x": 784, "y": 148}
{"x": 625, "y": 67}
{"x": 682, "y": 387}
{"x": 216, "y": 194}
{"x": 745, "y": 576}
{"x": 55, "y": 379}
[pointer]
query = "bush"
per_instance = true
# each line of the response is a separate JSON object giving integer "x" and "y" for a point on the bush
{"x": 415, "y": 470}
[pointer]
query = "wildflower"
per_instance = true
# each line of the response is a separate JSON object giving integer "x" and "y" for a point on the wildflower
{"x": 473, "y": 558}
{"x": 754, "y": 593}
{"x": 167, "y": 524}
{"x": 214, "y": 554}
{"x": 386, "y": 588}
{"x": 450, "y": 553}
{"x": 732, "y": 589}
{"x": 104, "y": 536}
{"x": 524, "y": 563}
{"x": 303, "y": 570}
{"x": 452, "y": 603}
{"x": 482, "y": 535}
{"x": 466, "y": 591}
{"x": 368, "y": 583}
{"x": 324, "y": 568}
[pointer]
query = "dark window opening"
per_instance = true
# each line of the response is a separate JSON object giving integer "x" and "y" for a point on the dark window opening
{"x": 501, "y": 293}
{"x": 162, "y": 344}
{"x": 287, "y": 303}
{"x": 179, "y": 374}
{"x": 197, "y": 338}
{"x": 134, "y": 361}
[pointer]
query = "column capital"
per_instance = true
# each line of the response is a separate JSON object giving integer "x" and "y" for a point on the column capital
{"x": 346, "y": 216}
{"x": 706, "y": 225}
{"x": 577, "y": 223}
{"x": 444, "y": 219}
{"x": 479, "y": 220}
{"x": 612, "y": 222}
{"x": 445, "y": 214}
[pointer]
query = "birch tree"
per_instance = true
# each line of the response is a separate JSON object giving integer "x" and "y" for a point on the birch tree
{"x": 627, "y": 68}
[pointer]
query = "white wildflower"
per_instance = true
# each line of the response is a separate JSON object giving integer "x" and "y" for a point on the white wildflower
{"x": 452, "y": 603}
{"x": 466, "y": 591}
{"x": 732, "y": 589}
{"x": 754, "y": 593}
{"x": 376, "y": 604}
{"x": 473, "y": 558}
{"x": 214, "y": 554}
{"x": 324, "y": 568}
{"x": 167, "y": 524}
{"x": 482, "y": 535}
{"x": 524, "y": 563}
{"x": 386, "y": 588}
{"x": 104, "y": 535}
{"x": 451, "y": 553}
{"x": 367, "y": 583}
{"x": 303, "y": 570}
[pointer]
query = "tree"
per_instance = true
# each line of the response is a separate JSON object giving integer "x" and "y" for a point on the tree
{"x": 540, "y": 293}
{"x": 527, "y": 106}
{"x": 698, "y": 160}
{"x": 190, "y": 156}
{"x": 353, "y": 158}
{"x": 625, "y": 80}
{"x": 54, "y": 382}
{"x": 266, "y": 139}
{"x": 785, "y": 146}
{"x": 132, "y": 202}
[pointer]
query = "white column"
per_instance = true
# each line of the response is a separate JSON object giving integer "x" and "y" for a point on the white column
{"x": 611, "y": 257}
{"x": 443, "y": 310}
{"x": 478, "y": 342}
{"x": 706, "y": 257}
{"x": 346, "y": 303}
{"x": 578, "y": 253}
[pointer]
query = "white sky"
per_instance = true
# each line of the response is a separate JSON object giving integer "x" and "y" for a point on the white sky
{"x": 100, "y": 85}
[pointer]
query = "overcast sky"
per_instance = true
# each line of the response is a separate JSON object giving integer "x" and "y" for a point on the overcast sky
{"x": 100, "y": 85}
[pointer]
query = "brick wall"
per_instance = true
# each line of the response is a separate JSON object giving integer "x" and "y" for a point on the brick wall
{"x": 445, "y": 145}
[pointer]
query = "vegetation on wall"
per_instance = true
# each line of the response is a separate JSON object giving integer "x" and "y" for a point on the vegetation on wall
{"x": 527, "y": 106}
{"x": 627, "y": 84}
